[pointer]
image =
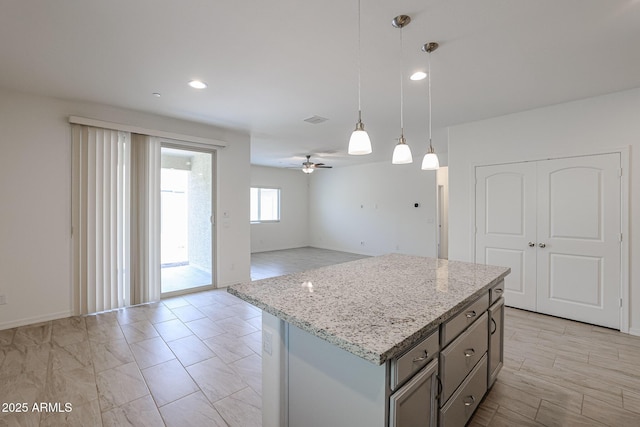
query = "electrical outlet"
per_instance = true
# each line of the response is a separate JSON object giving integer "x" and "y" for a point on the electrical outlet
{"x": 3, "y": 299}
{"x": 267, "y": 342}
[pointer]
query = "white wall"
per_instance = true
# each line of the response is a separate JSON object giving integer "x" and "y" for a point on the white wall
{"x": 35, "y": 199}
{"x": 369, "y": 209}
{"x": 293, "y": 229}
{"x": 583, "y": 127}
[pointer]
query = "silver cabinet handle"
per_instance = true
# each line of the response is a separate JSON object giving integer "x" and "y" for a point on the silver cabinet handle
{"x": 498, "y": 291}
{"x": 542, "y": 245}
{"x": 471, "y": 314}
{"x": 420, "y": 359}
{"x": 469, "y": 400}
{"x": 531, "y": 244}
{"x": 469, "y": 352}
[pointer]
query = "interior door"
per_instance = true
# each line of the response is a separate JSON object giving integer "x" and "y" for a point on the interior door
{"x": 578, "y": 242}
{"x": 506, "y": 227}
{"x": 556, "y": 224}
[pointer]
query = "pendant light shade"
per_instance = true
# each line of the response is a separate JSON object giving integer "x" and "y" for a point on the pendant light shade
{"x": 359, "y": 143}
{"x": 401, "y": 152}
{"x": 430, "y": 161}
{"x": 307, "y": 169}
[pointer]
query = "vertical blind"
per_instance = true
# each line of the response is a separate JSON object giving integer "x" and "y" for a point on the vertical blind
{"x": 115, "y": 224}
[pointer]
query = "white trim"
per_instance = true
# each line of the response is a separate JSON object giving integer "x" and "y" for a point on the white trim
{"x": 197, "y": 140}
{"x": 625, "y": 229}
{"x": 634, "y": 331}
{"x": 35, "y": 319}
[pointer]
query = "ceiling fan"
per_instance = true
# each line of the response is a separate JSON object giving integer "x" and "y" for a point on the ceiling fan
{"x": 309, "y": 166}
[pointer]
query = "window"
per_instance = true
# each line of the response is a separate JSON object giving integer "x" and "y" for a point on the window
{"x": 265, "y": 204}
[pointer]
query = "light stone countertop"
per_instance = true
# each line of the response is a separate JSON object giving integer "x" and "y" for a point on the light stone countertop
{"x": 375, "y": 307}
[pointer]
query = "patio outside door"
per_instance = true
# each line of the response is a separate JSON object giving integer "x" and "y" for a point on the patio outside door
{"x": 187, "y": 232}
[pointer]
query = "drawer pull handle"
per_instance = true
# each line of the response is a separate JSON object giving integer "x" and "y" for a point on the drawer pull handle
{"x": 470, "y": 314}
{"x": 421, "y": 358}
{"x": 499, "y": 291}
{"x": 469, "y": 352}
{"x": 469, "y": 400}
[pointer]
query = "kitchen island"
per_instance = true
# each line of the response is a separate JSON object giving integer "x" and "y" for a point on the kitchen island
{"x": 395, "y": 340}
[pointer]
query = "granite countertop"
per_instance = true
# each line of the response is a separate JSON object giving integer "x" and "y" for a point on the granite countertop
{"x": 375, "y": 307}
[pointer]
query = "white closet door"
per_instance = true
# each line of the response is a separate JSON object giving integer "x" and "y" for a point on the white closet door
{"x": 506, "y": 226}
{"x": 578, "y": 260}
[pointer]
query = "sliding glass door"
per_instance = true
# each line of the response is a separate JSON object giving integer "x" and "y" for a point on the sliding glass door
{"x": 187, "y": 208}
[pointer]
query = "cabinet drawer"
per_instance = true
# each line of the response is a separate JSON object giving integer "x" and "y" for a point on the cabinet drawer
{"x": 496, "y": 292}
{"x": 462, "y": 404}
{"x": 403, "y": 367}
{"x": 454, "y": 326}
{"x": 459, "y": 358}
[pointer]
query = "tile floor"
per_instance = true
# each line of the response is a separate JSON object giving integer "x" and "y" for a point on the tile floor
{"x": 186, "y": 361}
{"x": 195, "y": 361}
{"x": 287, "y": 261}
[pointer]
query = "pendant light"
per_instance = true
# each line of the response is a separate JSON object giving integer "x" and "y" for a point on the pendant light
{"x": 430, "y": 161}
{"x": 359, "y": 143}
{"x": 402, "y": 152}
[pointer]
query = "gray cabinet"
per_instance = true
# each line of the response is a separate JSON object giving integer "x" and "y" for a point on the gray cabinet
{"x": 471, "y": 356}
{"x": 496, "y": 340}
{"x": 415, "y": 403}
{"x": 460, "y": 357}
{"x": 466, "y": 399}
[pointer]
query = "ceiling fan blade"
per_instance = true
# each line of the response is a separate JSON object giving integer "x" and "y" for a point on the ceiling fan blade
{"x": 323, "y": 166}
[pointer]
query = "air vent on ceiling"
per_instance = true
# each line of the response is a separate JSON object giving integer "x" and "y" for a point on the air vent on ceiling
{"x": 315, "y": 120}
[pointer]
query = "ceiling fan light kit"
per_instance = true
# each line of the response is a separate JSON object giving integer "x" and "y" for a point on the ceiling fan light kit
{"x": 308, "y": 166}
{"x": 359, "y": 143}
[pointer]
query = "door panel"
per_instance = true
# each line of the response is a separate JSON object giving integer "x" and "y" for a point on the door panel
{"x": 584, "y": 270}
{"x": 506, "y": 223}
{"x": 578, "y": 260}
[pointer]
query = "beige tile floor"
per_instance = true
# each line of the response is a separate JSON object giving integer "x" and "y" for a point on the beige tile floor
{"x": 186, "y": 361}
{"x": 195, "y": 361}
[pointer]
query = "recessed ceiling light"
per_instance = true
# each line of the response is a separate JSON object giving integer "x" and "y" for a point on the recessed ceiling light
{"x": 418, "y": 75}
{"x": 157, "y": 94}
{"x": 197, "y": 84}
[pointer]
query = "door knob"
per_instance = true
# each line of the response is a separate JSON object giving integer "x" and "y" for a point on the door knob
{"x": 531, "y": 244}
{"x": 542, "y": 245}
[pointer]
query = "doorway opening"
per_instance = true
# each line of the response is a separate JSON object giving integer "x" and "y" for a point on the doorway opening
{"x": 186, "y": 221}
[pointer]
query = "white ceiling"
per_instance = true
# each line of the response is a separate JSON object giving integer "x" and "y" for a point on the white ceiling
{"x": 272, "y": 63}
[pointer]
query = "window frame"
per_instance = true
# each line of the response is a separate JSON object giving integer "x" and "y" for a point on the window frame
{"x": 259, "y": 199}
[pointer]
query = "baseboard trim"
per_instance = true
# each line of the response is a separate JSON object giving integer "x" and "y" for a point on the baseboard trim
{"x": 634, "y": 331}
{"x": 36, "y": 319}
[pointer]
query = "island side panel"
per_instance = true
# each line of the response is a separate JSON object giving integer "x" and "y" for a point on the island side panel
{"x": 274, "y": 371}
{"x": 329, "y": 386}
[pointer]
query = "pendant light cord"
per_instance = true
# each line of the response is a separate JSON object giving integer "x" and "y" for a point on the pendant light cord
{"x": 401, "y": 89}
{"x": 429, "y": 89}
{"x": 359, "y": 67}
